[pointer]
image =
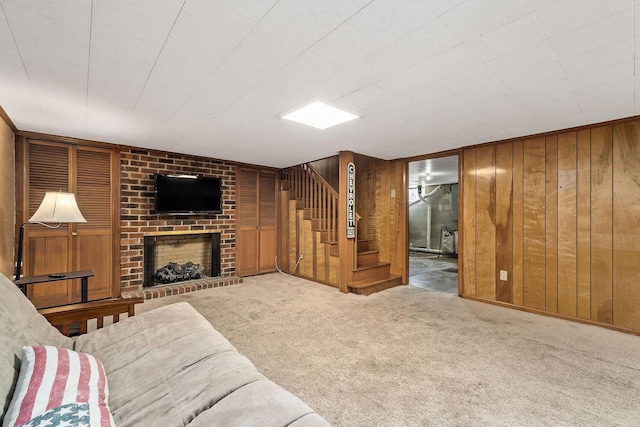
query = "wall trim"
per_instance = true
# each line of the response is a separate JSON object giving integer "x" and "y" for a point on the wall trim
{"x": 554, "y": 315}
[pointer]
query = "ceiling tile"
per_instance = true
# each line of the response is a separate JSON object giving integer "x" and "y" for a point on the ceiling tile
{"x": 212, "y": 77}
{"x": 298, "y": 77}
{"x": 425, "y": 42}
{"x": 52, "y": 39}
{"x": 126, "y": 39}
{"x": 388, "y": 20}
{"x": 474, "y": 18}
{"x": 441, "y": 6}
{"x": 448, "y": 64}
{"x": 345, "y": 9}
{"x": 509, "y": 38}
{"x": 11, "y": 62}
{"x": 604, "y": 75}
{"x": 359, "y": 101}
{"x": 251, "y": 9}
{"x": 520, "y": 62}
{"x": 566, "y": 15}
{"x": 600, "y": 33}
{"x": 599, "y": 58}
{"x": 596, "y": 103}
{"x": 219, "y": 31}
{"x": 374, "y": 27}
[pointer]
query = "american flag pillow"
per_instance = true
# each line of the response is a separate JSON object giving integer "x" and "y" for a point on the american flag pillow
{"x": 52, "y": 377}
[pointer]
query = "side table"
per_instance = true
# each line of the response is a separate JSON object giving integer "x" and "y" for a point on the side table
{"x": 83, "y": 275}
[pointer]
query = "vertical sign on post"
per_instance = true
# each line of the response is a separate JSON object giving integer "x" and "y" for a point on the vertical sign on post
{"x": 351, "y": 200}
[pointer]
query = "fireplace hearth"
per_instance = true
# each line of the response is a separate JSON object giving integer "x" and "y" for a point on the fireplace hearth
{"x": 176, "y": 257}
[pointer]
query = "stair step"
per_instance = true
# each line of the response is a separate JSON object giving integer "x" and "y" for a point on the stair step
{"x": 367, "y": 258}
{"x": 367, "y": 287}
{"x": 378, "y": 271}
{"x": 363, "y": 245}
{"x": 333, "y": 248}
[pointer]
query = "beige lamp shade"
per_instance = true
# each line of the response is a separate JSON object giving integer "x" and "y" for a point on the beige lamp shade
{"x": 58, "y": 207}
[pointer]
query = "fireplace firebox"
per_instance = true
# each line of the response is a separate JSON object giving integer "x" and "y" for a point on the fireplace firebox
{"x": 201, "y": 249}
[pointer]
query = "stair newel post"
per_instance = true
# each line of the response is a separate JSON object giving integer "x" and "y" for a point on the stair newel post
{"x": 345, "y": 245}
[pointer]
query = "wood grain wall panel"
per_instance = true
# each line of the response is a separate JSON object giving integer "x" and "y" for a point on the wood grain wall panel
{"x": 601, "y": 225}
{"x": 399, "y": 204}
{"x": 551, "y": 224}
{"x": 626, "y": 224}
{"x": 486, "y": 222}
{"x": 583, "y": 224}
{"x": 518, "y": 219}
{"x": 469, "y": 222}
{"x": 565, "y": 223}
{"x": 383, "y": 200}
{"x": 534, "y": 223}
{"x": 567, "y": 203}
{"x": 504, "y": 222}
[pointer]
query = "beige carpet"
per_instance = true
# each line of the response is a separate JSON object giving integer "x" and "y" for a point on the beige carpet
{"x": 412, "y": 357}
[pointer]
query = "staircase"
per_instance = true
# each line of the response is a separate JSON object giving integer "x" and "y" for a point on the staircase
{"x": 312, "y": 238}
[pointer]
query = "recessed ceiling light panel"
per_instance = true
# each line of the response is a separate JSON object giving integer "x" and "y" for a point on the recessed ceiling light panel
{"x": 319, "y": 115}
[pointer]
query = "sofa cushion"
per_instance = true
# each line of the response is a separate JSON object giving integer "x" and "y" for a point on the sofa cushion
{"x": 22, "y": 326}
{"x": 260, "y": 403}
{"x": 168, "y": 366}
{"x": 56, "y": 383}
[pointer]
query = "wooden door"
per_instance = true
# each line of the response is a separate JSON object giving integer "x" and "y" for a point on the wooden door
{"x": 267, "y": 221}
{"x": 93, "y": 242}
{"x": 246, "y": 222}
{"x": 255, "y": 221}
{"x": 88, "y": 173}
{"x": 49, "y": 168}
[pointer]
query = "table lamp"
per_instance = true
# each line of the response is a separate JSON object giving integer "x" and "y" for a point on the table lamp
{"x": 56, "y": 207}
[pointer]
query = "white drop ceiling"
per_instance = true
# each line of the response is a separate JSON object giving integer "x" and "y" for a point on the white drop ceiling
{"x": 213, "y": 77}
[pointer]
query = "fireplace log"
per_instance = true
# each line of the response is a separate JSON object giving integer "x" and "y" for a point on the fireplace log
{"x": 174, "y": 272}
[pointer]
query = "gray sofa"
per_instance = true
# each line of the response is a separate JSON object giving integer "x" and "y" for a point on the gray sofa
{"x": 166, "y": 367}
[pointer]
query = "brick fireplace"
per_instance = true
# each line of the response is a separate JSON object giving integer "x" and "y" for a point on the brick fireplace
{"x": 138, "y": 218}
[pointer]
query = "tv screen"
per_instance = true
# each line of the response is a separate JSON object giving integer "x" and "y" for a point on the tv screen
{"x": 187, "y": 194}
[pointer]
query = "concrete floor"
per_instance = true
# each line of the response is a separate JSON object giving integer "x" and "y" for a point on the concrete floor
{"x": 429, "y": 271}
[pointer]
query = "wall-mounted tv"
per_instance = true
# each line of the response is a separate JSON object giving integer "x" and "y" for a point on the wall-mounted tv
{"x": 187, "y": 194}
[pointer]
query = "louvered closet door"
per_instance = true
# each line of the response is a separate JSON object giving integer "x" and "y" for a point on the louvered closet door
{"x": 93, "y": 243}
{"x": 47, "y": 250}
{"x": 87, "y": 172}
{"x": 255, "y": 221}
{"x": 267, "y": 221}
{"x": 246, "y": 222}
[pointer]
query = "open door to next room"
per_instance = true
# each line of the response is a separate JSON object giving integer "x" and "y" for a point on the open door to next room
{"x": 433, "y": 223}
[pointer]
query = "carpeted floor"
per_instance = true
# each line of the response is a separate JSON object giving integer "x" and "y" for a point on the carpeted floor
{"x": 413, "y": 357}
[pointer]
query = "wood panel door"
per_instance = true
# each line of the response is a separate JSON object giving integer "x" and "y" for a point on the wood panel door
{"x": 88, "y": 172}
{"x": 255, "y": 221}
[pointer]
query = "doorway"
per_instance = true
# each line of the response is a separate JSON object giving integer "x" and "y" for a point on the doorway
{"x": 433, "y": 223}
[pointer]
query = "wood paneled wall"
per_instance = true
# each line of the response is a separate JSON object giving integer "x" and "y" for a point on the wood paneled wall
{"x": 560, "y": 214}
{"x": 382, "y": 203}
{"x": 7, "y": 195}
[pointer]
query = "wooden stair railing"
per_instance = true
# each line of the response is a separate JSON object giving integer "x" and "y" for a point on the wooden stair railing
{"x": 316, "y": 194}
{"x": 319, "y": 200}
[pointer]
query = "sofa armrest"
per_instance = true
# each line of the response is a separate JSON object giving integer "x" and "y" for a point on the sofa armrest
{"x": 62, "y": 317}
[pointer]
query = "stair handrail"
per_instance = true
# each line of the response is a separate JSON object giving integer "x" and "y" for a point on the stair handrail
{"x": 314, "y": 172}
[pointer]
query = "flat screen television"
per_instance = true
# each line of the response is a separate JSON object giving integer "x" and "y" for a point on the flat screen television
{"x": 187, "y": 194}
